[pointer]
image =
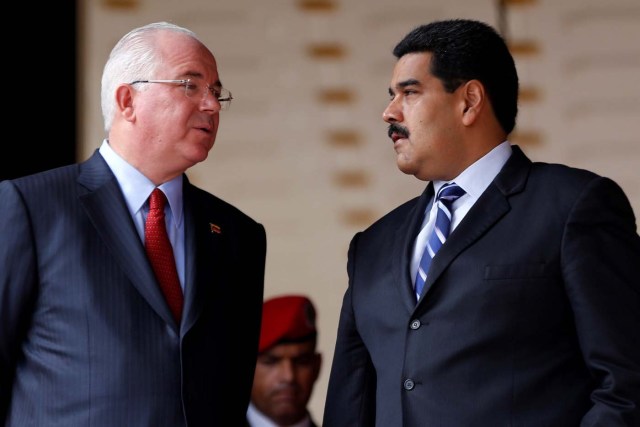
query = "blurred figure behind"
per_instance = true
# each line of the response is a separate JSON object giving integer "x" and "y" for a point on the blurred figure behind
{"x": 288, "y": 364}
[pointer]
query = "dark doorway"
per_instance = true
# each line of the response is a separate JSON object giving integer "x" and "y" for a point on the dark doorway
{"x": 40, "y": 75}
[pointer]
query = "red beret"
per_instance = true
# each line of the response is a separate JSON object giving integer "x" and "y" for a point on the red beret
{"x": 286, "y": 318}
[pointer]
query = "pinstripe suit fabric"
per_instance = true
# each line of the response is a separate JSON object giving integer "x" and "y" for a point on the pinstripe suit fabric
{"x": 86, "y": 337}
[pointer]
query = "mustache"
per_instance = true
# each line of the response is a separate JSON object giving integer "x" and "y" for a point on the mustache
{"x": 400, "y": 130}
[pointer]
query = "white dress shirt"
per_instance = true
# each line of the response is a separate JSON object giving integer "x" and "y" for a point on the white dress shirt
{"x": 473, "y": 180}
{"x": 258, "y": 419}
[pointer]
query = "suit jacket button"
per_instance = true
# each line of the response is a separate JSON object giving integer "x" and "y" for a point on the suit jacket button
{"x": 415, "y": 324}
{"x": 409, "y": 384}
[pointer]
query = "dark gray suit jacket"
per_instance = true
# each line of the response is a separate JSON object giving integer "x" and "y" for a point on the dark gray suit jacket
{"x": 530, "y": 314}
{"x": 86, "y": 337}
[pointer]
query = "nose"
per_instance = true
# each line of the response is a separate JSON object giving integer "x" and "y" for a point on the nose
{"x": 392, "y": 113}
{"x": 210, "y": 102}
{"x": 287, "y": 371}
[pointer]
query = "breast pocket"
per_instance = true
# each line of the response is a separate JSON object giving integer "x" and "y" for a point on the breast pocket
{"x": 515, "y": 271}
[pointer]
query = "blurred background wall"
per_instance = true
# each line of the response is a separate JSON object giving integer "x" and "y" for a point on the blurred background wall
{"x": 303, "y": 148}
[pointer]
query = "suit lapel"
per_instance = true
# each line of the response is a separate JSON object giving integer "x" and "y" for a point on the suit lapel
{"x": 106, "y": 208}
{"x": 483, "y": 215}
{"x": 193, "y": 243}
{"x": 492, "y": 205}
{"x": 206, "y": 237}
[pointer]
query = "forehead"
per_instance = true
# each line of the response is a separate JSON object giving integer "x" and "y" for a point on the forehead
{"x": 184, "y": 56}
{"x": 291, "y": 349}
{"x": 412, "y": 67}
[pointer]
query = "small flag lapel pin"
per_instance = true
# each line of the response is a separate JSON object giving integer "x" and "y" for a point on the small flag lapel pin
{"x": 215, "y": 228}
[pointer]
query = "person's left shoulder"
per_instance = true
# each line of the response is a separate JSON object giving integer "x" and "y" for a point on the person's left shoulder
{"x": 204, "y": 201}
{"x": 563, "y": 179}
{"x": 222, "y": 218}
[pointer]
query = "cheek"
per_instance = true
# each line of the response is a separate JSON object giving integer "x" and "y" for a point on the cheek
{"x": 419, "y": 123}
{"x": 306, "y": 375}
{"x": 430, "y": 128}
{"x": 173, "y": 112}
{"x": 268, "y": 374}
{"x": 421, "y": 135}
{"x": 216, "y": 125}
{"x": 261, "y": 371}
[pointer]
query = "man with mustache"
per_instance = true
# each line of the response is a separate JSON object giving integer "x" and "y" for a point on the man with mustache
{"x": 508, "y": 292}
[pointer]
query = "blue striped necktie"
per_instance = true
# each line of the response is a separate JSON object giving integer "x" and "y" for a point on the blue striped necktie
{"x": 447, "y": 194}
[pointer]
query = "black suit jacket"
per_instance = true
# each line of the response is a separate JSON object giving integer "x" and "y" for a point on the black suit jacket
{"x": 529, "y": 316}
{"x": 86, "y": 337}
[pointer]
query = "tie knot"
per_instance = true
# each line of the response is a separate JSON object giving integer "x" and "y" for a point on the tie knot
{"x": 449, "y": 193}
{"x": 157, "y": 200}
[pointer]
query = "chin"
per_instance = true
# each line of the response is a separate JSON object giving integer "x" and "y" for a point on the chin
{"x": 198, "y": 156}
{"x": 405, "y": 167}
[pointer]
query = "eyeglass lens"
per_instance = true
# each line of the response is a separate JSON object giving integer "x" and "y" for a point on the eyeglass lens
{"x": 193, "y": 88}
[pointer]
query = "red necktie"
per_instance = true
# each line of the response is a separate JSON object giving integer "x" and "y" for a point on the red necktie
{"x": 160, "y": 253}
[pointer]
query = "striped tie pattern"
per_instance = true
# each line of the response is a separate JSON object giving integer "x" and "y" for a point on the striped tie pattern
{"x": 447, "y": 194}
{"x": 160, "y": 253}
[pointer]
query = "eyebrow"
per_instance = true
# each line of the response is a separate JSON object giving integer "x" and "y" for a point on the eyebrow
{"x": 405, "y": 83}
{"x": 195, "y": 75}
{"x": 408, "y": 82}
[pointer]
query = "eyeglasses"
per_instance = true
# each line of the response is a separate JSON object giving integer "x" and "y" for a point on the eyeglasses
{"x": 193, "y": 88}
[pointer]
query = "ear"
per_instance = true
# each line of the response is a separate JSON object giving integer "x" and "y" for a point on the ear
{"x": 124, "y": 101}
{"x": 474, "y": 98}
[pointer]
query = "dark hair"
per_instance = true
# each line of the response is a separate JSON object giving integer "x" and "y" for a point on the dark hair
{"x": 464, "y": 50}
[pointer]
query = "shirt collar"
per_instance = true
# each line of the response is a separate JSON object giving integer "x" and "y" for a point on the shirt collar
{"x": 477, "y": 177}
{"x": 137, "y": 188}
{"x": 258, "y": 419}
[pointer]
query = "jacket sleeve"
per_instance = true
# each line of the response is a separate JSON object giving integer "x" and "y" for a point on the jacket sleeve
{"x": 352, "y": 382}
{"x": 18, "y": 285}
{"x": 601, "y": 268}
